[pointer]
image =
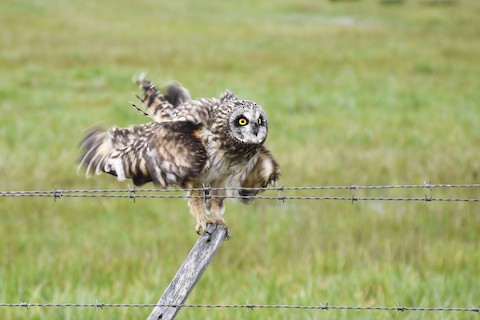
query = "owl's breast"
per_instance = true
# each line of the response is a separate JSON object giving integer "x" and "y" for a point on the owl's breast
{"x": 223, "y": 170}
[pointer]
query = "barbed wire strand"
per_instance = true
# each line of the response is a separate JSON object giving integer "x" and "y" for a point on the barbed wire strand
{"x": 99, "y": 305}
{"x": 281, "y": 198}
{"x": 281, "y": 188}
{"x": 154, "y": 193}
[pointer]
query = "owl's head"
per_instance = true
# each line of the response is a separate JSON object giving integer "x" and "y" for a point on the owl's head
{"x": 247, "y": 121}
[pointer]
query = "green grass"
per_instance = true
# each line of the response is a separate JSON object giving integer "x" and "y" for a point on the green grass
{"x": 356, "y": 92}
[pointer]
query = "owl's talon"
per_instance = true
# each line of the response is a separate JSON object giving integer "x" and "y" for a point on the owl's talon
{"x": 201, "y": 227}
{"x": 220, "y": 222}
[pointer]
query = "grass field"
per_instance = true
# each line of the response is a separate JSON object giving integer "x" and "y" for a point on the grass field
{"x": 357, "y": 92}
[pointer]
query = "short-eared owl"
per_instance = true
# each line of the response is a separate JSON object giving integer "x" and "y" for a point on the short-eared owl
{"x": 215, "y": 143}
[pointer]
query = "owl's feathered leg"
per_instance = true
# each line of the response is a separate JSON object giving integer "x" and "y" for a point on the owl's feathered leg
{"x": 215, "y": 206}
{"x": 197, "y": 209}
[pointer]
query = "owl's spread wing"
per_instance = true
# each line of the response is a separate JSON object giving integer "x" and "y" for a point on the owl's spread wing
{"x": 175, "y": 104}
{"x": 167, "y": 153}
{"x": 265, "y": 172}
{"x": 161, "y": 106}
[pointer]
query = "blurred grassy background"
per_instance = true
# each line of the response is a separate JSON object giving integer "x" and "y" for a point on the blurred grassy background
{"x": 357, "y": 92}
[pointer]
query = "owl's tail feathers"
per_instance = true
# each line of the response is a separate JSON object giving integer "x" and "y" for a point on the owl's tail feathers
{"x": 160, "y": 106}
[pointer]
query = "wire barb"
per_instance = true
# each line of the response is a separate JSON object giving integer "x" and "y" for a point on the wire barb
{"x": 428, "y": 199}
{"x": 280, "y": 198}
{"x": 98, "y": 305}
{"x": 428, "y": 185}
{"x": 57, "y": 194}
{"x": 24, "y": 304}
{"x": 132, "y": 193}
{"x": 206, "y": 193}
{"x": 352, "y": 193}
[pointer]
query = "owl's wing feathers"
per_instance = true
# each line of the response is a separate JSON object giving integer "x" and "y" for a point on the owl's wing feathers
{"x": 196, "y": 111}
{"x": 265, "y": 172}
{"x": 168, "y": 153}
{"x": 160, "y": 107}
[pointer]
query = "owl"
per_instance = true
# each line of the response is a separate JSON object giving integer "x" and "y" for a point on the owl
{"x": 205, "y": 144}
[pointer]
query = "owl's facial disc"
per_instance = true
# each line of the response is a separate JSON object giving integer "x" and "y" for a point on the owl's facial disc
{"x": 248, "y": 124}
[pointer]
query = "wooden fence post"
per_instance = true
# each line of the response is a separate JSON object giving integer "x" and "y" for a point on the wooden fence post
{"x": 189, "y": 273}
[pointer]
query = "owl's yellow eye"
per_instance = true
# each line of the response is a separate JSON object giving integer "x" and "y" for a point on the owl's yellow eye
{"x": 242, "y": 121}
{"x": 259, "y": 120}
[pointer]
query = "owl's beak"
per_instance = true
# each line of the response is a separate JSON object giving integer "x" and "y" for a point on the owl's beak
{"x": 255, "y": 129}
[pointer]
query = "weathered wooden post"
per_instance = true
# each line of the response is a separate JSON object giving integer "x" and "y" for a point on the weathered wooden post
{"x": 189, "y": 273}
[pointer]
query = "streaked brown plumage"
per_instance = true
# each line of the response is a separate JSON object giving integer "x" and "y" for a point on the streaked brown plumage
{"x": 191, "y": 143}
{"x": 160, "y": 107}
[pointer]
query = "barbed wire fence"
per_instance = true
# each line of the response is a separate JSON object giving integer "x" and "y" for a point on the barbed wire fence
{"x": 100, "y": 306}
{"x": 282, "y": 194}
{"x": 232, "y": 193}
